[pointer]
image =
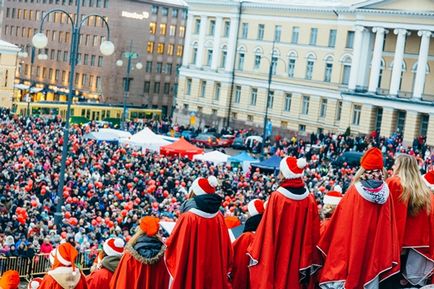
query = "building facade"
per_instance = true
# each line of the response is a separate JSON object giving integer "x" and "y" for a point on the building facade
{"x": 8, "y": 66}
{"x": 154, "y": 29}
{"x": 332, "y": 65}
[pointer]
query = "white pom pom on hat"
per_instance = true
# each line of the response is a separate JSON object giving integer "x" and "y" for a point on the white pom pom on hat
{"x": 213, "y": 181}
{"x": 202, "y": 186}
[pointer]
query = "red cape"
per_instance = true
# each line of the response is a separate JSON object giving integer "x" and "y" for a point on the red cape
{"x": 240, "y": 268}
{"x": 99, "y": 279}
{"x": 133, "y": 274}
{"x": 360, "y": 242}
{"x": 283, "y": 251}
{"x": 199, "y": 252}
{"x": 49, "y": 283}
{"x": 324, "y": 225}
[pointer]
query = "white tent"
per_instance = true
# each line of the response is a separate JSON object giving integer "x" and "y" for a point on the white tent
{"x": 214, "y": 157}
{"x": 108, "y": 134}
{"x": 146, "y": 139}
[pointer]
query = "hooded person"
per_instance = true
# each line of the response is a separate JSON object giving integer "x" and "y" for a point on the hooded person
{"x": 35, "y": 283}
{"x": 113, "y": 249}
{"x": 63, "y": 273}
{"x": 142, "y": 265}
{"x": 360, "y": 244}
{"x": 10, "y": 280}
{"x": 199, "y": 251}
{"x": 330, "y": 202}
{"x": 240, "y": 270}
{"x": 283, "y": 253}
{"x": 413, "y": 203}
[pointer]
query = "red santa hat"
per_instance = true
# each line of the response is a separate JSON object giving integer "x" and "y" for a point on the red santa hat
{"x": 332, "y": 198}
{"x": 66, "y": 255}
{"x": 255, "y": 207}
{"x": 292, "y": 168}
{"x": 202, "y": 186}
{"x": 429, "y": 179}
{"x": 372, "y": 160}
{"x": 35, "y": 283}
{"x": 114, "y": 247}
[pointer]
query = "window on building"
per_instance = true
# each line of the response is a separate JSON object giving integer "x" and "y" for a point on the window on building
{"x": 150, "y": 47}
{"x": 163, "y": 29}
{"x": 332, "y": 38}
{"x": 350, "y": 39}
{"x": 154, "y": 9}
{"x": 241, "y": 56}
{"x": 357, "y": 110}
{"x": 328, "y": 72}
{"x": 261, "y": 31}
{"x": 305, "y": 105}
{"x": 400, "y": 123}
{"x": 309, "y": 68}
{"x": 152, "y": 28}
{"x": 159, "y": 67}
{"x": 323, "y": 108}
{"x": 148, "y": 66}
{"x": 226, "y": 29}
{"x": 250, "y": 118}
{"x": 202, "y": 88}
{"x": 277, "y": 33}
{"x": 339, "y": 110}
{"x": 170, "y": 48}
{"x": 211, "y": 29}
{"x": 270, "y": 99}
{"x": 313, "y": 36}
{"x": 288, "y": 99}
{"x": 209, "y": 57}
{"x": 257, "y": 63}
{"x": 84, "y": 79}
{"x": 168, "y": 68}
{"x": 179, "y": 49}
{"x": 106, "y": 3}
{"x": 223, "y": 58}
{"x": 86, "y": 59}
{"x": 295, "y": 34}
{"x": 188, "y": 87}
{"x": 194, "y": 55}
{"x": 164, "y": 11}
{"x": 302, "y": 128}
{"x": 245, "y": 30}
{"x": 346, "y": 71}
{"x": 181, "y": 31}
{"x": 166, "y": 88}
{"x": 424, "y": 120}
{"x": 237, "y": 94}
{"x": 92, "y": 60}
{"x": 174, "y": 12}
{"x": 160, "y": 48}
{"x": 253, "y": 96}
{"x": 291, "y": 67}
{"x": 172, "y": 30}
{"x": 217, "y": 91}
{"x": 274, "y": 65}
{"x": 59, "y": 55}
{"x": 156, "y": 87}
{"x": 196, "y": 25}
{"x": 100, "y": 61}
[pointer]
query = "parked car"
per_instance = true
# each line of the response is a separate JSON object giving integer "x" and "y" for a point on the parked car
{"x": 188, "y": 134}
{"x": 205, "y": 140}
{"x": 226, "y": 141}
{"x": 238, "y": 143}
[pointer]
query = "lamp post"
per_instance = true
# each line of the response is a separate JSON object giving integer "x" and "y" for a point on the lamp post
{"x": 40, "y": 41}
{"x": 270, "y": 79}
{"x": 129, "y": 55}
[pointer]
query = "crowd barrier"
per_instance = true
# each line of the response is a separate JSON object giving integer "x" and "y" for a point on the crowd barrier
{"x": 37, "y": 266}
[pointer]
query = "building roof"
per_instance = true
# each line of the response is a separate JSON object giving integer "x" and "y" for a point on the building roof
{"x": 304, "y": 3}
{"x": 172, "y": 2}
{"x": 4, "y": 46}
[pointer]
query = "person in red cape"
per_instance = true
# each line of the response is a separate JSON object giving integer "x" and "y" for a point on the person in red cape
{"x": 360, "y": 244}
{"x": 330, "y": 202}
{"x": 10, "y": 280}
{"x": 101, "y": 277}
{"x": 63, "y": 273}
{"x": 199, "y": 252}
{"x": 240, "y": 269}
{"x": 413, "y": 203}
{"x": 283, "y": 253}
{"x": 142, "y": 265}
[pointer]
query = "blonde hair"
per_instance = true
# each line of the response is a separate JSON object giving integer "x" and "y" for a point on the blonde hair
{"x": 414, "y": 190}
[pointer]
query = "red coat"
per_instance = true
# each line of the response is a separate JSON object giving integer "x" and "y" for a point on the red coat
{"x": 360, "y": 242}
{"x": 61, "y": 278}
{"x": 284, "y": 246}
{"x": 99, "y": 279}
{"x": 199, "y": 252}
{"x": 133, "y": 274}
{"x": 240, "y": 268}
{"x": 415, "y": 233}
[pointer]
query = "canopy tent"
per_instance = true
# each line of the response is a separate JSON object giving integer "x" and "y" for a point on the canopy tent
{"x": 214, "y": 157}
{"x": 108, "y": 134}
{"x": 271, "y": 164}
{"x": 146, "y": 139}
{"x": 182, "y": 148}
{"x": 244, "y": 159}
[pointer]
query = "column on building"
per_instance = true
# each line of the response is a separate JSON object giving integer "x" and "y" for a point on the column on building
{"x": 187, "y": 41}
{"x": 376, "y": 58}
{"x": 346, "y": 115}
{"x": 367, "y": 119}
{"x": 202, "y": 31}
{"x": 357, "y": 49}
{"x": 411, "y": 128}
{"x": 398, "y": 60}
{"x": 419, "y": 82}
{"x": 388, "y": 121}
{"x": 233, "y": 34}
{"x": 216, "y": 46}
{"x": 430, "y": 136}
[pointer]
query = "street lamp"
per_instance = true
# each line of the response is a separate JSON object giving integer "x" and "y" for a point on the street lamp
{"x": 129, "y": 55}
{"x": 107, "y": 48}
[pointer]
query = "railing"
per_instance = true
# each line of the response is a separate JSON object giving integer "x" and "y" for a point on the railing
{"x": 37, "y": 266}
